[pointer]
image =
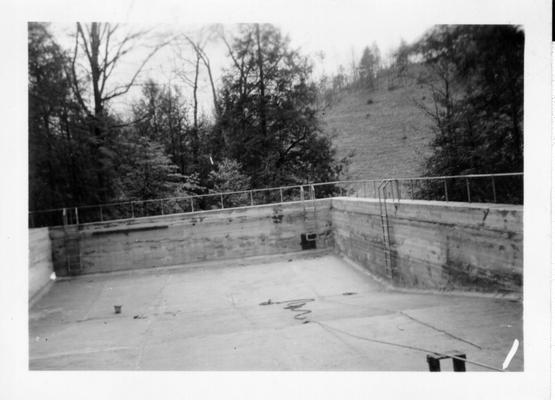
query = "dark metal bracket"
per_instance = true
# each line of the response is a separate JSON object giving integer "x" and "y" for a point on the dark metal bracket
{"x": 459, "y": 365}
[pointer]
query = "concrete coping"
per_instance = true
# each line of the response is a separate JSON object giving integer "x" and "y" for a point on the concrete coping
{"x": 195, "y": 213}
{"x": 438, "y": 203}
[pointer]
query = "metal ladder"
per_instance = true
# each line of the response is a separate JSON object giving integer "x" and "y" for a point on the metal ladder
{"x": 72, "y": 247}
{"x": 384, "y": 216}
{"x": 310, "y": 215}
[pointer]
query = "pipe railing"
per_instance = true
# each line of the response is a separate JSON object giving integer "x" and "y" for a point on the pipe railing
{"x": 490, "y": 188}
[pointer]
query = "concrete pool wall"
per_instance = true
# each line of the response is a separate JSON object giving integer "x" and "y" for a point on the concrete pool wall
{"x": 191, "y": 238}
{"x": 40, "y": 261}
{"x": 422, "y": 244}
{"x": 434, "y": 245}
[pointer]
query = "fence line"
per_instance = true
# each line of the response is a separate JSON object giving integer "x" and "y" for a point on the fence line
{"x": 494, "y": 188}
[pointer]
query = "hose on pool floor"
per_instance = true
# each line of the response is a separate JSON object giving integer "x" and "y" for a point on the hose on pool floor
{"x": 296, "y": 305}
{"x": 293, "y": 305}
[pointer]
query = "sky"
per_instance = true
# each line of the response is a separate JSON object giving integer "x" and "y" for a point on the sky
{"x": 339, "y": 40}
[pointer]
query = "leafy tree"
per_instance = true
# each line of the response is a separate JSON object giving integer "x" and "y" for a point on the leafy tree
{"x": 59, "y": 148}
{"x": 369, "y": 66}
{"x": 268, "y": 117}
{"x": 476, "y": 80}
{"x": 161, "y": 113}
{"x": 401, "y": 60}
{"x": 47, "y": 93}
{"x": 227, "y": 177}
{"x": 340, "y": 79}
{"x": 147, "y": 172}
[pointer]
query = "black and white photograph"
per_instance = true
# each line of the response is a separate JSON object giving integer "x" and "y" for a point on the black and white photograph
{"x": 354, "y": 190}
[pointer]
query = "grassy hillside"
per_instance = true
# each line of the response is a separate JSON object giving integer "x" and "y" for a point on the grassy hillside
{"x": 388, "y": 134}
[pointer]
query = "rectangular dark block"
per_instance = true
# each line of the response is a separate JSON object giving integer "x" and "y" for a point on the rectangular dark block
{"x": 127, "y": 230}
{"x": 458, "y": 364}
{"x": 433, "y": 363}
{"x": 308, "y": 241}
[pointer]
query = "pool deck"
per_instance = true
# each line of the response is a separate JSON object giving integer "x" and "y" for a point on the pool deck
{"x": 233, "y": 317}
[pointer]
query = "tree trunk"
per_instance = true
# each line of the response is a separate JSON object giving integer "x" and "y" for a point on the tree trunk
{"x": 74, "y": 188}
{"x": 49, "y": 155}
{"x": 195, "y": 99}
{"x": 261, "y": 86}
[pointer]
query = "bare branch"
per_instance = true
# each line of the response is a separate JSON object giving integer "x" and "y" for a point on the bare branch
{"x": 105, "y": 61}
{"x": 126, "y": 124}
{"x": 230, "y": 50}
{"x": 198, "y": 48}
{"x": 85, "y": 43}
{"x": 125, "y": 88}
{"x": 73, "y": 75}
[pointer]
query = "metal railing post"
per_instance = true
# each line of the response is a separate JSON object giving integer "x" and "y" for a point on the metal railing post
{"x": 222, "y": 200}
{"x": 493, "y": 188}
{"x": 76, "y": 216}
{"x": 252, "y": 201}
{"x": 445, "y": 189}
{"x": 281, "y": 195}
{"x": 192, "y": 205}
{"x": 467, "y": 189}
{"x": 162, "y": 206}
{"x": 132, "y": 210}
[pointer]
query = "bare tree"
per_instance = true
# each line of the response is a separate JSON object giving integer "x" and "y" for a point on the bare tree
{"x": 191, "y": 78}
{"x": 103, "y": 51}
{"x": 261, "y": 83}
{"x": 103, "y": 48}
{"x": 201, "y": 54}
{"x": 197, "y": 41}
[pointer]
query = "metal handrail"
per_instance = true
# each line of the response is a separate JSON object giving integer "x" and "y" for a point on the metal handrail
{"x": 284, "y": 188}
{"x": 342, "y": 186}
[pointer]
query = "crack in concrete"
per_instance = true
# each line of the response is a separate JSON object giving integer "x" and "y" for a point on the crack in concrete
{"x": 159, "y": 301}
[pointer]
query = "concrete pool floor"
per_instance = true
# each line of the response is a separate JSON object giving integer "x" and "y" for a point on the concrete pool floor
{"x": 212, "y": 319}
